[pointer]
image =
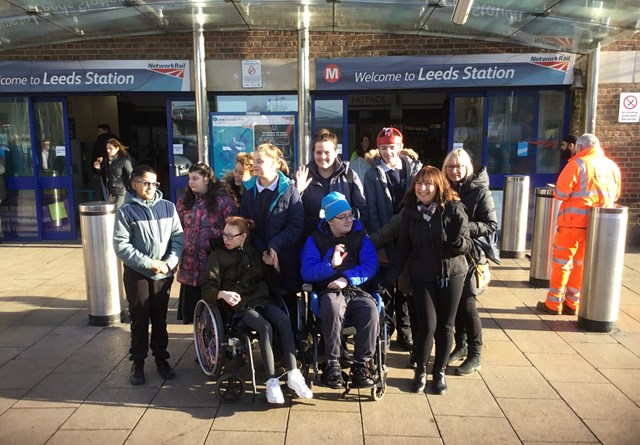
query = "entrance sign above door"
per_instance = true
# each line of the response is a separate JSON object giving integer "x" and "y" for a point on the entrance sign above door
{"x": 95, "y": 76}
{"x": 409, "y": 72}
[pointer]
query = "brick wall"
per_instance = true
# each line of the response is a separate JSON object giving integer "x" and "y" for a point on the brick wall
{"x": 259, "y": 44}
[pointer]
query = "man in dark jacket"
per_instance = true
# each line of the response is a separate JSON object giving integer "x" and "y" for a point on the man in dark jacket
{"x": 337, "y": 258}
{"x": 99, "y": 154}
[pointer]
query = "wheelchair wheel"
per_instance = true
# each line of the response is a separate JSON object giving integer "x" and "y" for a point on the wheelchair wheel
{"x": 208, "y": 332}
{"x": 229, "y": 388}
{"x": 378, "y": 391}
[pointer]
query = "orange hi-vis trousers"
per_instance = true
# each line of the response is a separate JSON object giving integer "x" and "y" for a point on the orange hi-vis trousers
{"x": 566, "y": 268}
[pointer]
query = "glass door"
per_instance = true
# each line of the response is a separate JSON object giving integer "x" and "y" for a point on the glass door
{"x": 52, "y": 155}
{"x": 183, "y": 150}
{"x": 331, "y": 113}
{"x": 467, "y": 131}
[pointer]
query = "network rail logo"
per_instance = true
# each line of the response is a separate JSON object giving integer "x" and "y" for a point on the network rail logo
{"x": 555, "y": 62}
{"x": 169, "y": 69}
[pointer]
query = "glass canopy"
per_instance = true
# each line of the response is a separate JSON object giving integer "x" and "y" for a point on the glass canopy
{"x": 575, "y": 26}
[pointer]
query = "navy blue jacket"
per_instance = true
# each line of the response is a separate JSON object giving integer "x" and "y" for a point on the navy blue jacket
{"x": 284, "y": 227}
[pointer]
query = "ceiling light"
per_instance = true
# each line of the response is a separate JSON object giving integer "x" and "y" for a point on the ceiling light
{"x": 461, "y": 11}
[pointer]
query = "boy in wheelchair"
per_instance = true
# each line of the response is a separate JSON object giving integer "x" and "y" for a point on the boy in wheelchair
{"x": 236, "y": 277}
{"x": 338, "y": 258}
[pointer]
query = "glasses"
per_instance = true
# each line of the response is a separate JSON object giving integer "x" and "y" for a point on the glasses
{"x": 343, "y": 217}
{"x": 155, "y": 185}
{"x": 454, "y": 167}
{"x": 230, "y": 236}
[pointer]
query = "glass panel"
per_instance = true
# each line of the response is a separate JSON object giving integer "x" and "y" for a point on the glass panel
{"x": 550, "y": 125}
{"x": 510, "y": 130}
{"x": 259, "y": 104}
{"x": 15, "y": 138}
{"x": 49, "y": 117}
{"x": 185, "y": 133}
{"x": 18, "y": 217}
{"x": 329, "y": 114}
{"x": 468, "y": 125}
{"x": 55, "y": 210}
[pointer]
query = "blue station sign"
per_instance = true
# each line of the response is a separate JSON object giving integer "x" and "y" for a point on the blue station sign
{"x": 94, "y": 76}
{"x": 409, "y": 72}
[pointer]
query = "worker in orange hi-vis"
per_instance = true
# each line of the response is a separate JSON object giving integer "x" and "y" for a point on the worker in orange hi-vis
{"x": 590, "y": 179}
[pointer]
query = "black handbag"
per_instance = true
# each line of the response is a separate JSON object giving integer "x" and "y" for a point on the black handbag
{"x": 489, "y": 245}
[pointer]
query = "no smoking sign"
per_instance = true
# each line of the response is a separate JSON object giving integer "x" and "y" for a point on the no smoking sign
{"x": 629, "y": 110}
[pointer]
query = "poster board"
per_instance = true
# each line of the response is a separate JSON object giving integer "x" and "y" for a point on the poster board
{"x": 233, "y": 133}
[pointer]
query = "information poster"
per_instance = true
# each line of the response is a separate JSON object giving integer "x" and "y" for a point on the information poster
{"x": 235, "y": 133}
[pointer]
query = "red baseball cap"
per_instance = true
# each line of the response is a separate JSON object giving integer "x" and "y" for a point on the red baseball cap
{"x": 389, "y": 135}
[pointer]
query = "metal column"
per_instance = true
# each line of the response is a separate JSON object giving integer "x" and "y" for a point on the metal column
{"x": 200, "y": 77}
{"x": 304, "y": 98}
{"x": 545, "y": 216}
{"x": 591, "y": 95}
{"x": 515, "y": 209}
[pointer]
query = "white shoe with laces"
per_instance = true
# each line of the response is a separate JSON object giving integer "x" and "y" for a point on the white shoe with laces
{"x": 295, "y": 381}
{"x": 274, "y": 392}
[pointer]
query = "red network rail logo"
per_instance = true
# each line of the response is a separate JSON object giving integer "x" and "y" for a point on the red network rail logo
{"x": 560, "y": 65}
{"x": 331, "y": 73}
{"x": 173, "y": 72}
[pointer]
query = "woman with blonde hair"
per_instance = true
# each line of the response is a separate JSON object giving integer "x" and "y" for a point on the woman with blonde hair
{"x": 434, "y": 238}
{"x": 473, "y": 187}
{"x": 272, "y": 201}
{"x": 118, "y": 171}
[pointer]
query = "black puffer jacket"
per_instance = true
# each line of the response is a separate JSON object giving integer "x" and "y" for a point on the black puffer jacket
{"x": 239, "y": 270}
{"x": 479, "y": 206}
{"x": 446, "y": 243}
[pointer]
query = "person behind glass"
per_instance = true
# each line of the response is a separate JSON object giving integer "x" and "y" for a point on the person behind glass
{"x": 358, "y": 161}
{"x": 434, "y": 239}
{"x": 118, "y": 171}
{"x": 385, "y": 185}
{"x": 272, "y": 201}
{"x": 47, "y": 157}
{"x": 336, "y": 258}
{"x": 325, "y": 174}
{"x": 242, "y": 172}
{"x": 236, "y": 276}
{"x": 148, "y": 238}
{"x": 472, "y": 186}
{"x": 3, "y": 186}
{"x": 203, "y": 211}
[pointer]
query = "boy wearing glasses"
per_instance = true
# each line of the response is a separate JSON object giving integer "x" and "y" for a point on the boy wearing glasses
{"x": 148, "y": 238}
{"x": 337, "y": 259}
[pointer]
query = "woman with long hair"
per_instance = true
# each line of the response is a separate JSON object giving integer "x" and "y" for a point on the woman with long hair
{"x": 243, "y": 170}
{"x": 118, "y": 171}
{"x": 473, "y": 188}
{"x": 202, "y": 210}
{"x": 272, "y": 201}
{"x": 434, "y": 239}
{"x": 237, "y": 277}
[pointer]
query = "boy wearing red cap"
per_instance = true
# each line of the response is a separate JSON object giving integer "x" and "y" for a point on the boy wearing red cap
{"x": 385, "y": 184}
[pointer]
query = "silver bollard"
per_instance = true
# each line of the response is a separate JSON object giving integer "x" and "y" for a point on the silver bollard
{"x": 515, "y": 208}
{"x": 101, "y": 266}
{"x": 603, "y": 263}
{"x": 545, "y": 216}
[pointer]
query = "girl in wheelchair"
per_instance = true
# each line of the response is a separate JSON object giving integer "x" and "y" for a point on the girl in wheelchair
{"x": 236, "y": 276}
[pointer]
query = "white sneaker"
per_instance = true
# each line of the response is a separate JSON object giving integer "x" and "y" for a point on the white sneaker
{"x": 274, "y": 392}
{"x": 295, "y": 381}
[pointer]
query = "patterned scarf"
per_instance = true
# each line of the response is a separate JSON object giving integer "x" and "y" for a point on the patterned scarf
{"x": 427, "y": 211}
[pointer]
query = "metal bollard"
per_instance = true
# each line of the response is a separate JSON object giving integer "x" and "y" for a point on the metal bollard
{"x": 603, "y": 263}
{"x": 515, "y": 207}
{"x": 545, "y": 216}
{"x": 101, "y": 266}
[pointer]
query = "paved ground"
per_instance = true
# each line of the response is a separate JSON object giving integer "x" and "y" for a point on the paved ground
{"x": 543, "y": 380}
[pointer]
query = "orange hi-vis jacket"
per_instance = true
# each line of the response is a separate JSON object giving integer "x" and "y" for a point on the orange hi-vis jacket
{"x": 590, "y": 179}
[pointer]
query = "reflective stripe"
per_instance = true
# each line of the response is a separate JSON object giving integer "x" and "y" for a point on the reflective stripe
{"x": 561, "y": 195}
{"x": 553, "y": 299}
{"x": 576, "y": 210}
{"x": 573, "y": 298}
{"x": 572, "y": 290}
{"x": 578, "y": 262}
{"x": 555, "y": 246}
{"x": 553, "y": 291}
{"x": 561, "y": 261}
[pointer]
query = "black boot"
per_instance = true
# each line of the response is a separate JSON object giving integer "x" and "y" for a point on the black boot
{"x": 419, "y": 379}
{"x": 136, "y": 377}
{"x": 472, "y": 363}
{"x": 460, "y": 351}
{"x": 439, "y": 386}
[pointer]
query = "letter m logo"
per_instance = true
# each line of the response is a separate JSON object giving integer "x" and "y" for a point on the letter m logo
{"x": 331, "y": 73}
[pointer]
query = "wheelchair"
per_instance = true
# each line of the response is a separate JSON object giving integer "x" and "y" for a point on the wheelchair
{"x": 311, "y": 332}
{"x": 223, "y": 348}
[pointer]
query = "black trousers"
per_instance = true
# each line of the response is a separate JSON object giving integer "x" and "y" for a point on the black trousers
{"x": 436, "y": 309}
{"x": 189, "y": 297}
{"x": 468, "y": 323}
{"x": 148, "y": 301}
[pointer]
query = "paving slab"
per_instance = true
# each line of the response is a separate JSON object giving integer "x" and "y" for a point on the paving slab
{"x": 245, "y": 438}
{"x": 458, "y": 430}
{"x": 61, "y": 390}
{"x": 517, "y": 382}
{"x": 304, "y": 425}
{"x": 403, "y": 415}
{"x": 565, "y": 368}
{"x": 172, "y": 426}
{"x": 32, "y": 426}
{"x": 598, "y": 401}
{"x": 93, "y": 437}
{"x": 465, "y": 397}
{"x": 615, "y": 432}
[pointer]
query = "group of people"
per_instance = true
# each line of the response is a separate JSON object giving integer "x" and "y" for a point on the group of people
{"x": 406, "y": 227}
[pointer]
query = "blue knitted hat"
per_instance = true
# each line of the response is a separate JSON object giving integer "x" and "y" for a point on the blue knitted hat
{"x": 334, "y": 204}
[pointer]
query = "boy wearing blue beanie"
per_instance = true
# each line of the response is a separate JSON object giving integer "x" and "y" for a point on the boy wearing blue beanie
{"x": 337, "y": 259}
